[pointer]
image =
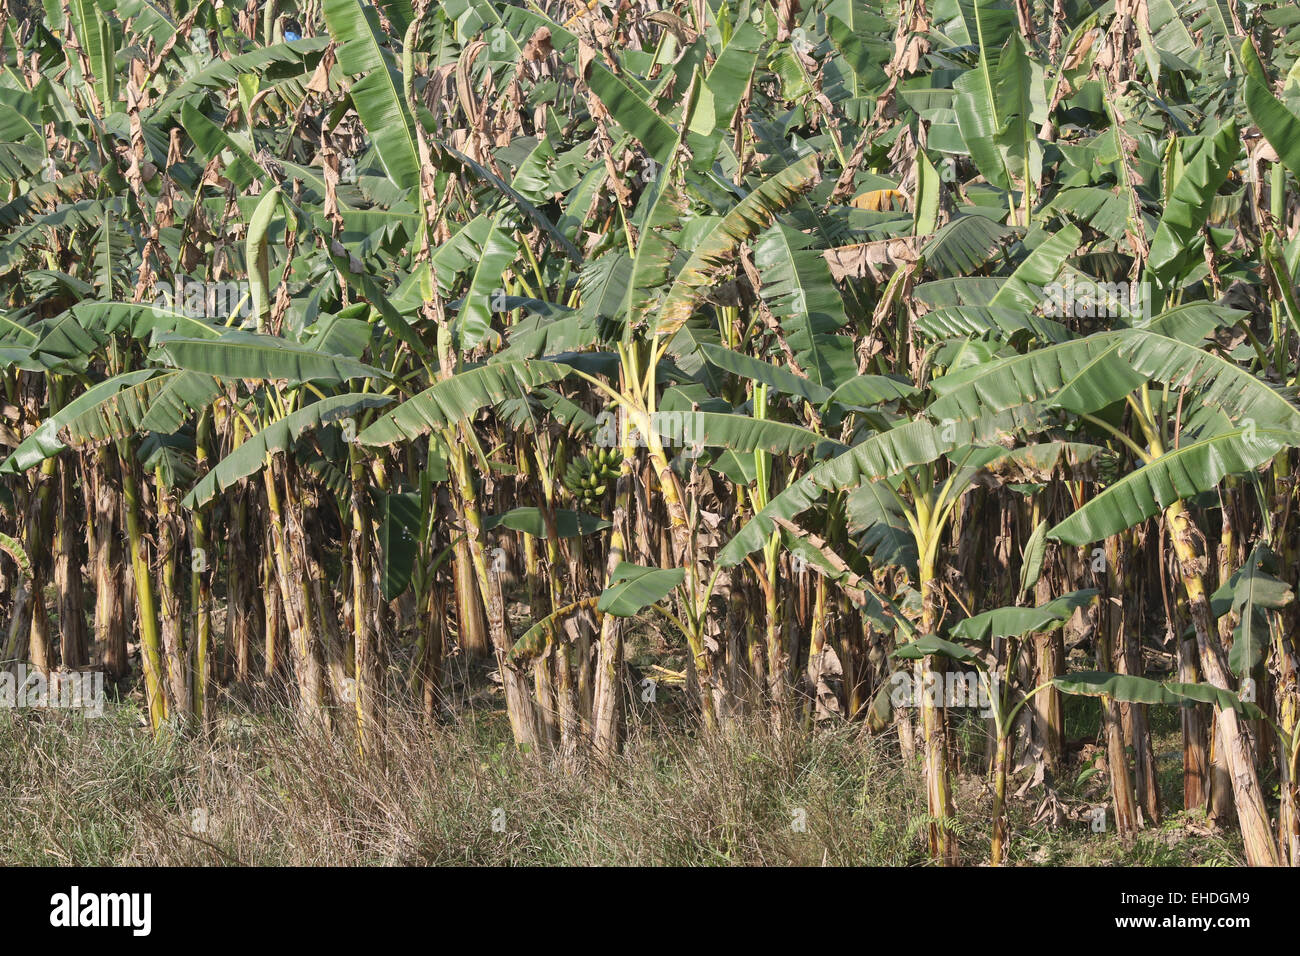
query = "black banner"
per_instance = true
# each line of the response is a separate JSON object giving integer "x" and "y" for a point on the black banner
{"x": 146, "y": 906}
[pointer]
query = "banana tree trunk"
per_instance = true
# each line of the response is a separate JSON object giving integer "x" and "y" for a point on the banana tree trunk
{"x": 1219, "y": 806}
{"x": 175, "y": 645}
{"x": 1110, "y": 629}
{"x": 1121, "y": 786}
{"x": 335, "y": 643}
{"x": 1288, "y": 713}
{"x": 430, "y": 648}
{"x": 823, "y": 671}
{"x": 15, "y": 648}
{"x": 201, "y": 603}
{"x": 1001, "y": 766}
{"x": 40, "y": 647}
{"x": 1252, "y": 815}
{"x": 67, "y": 573}
{"x": 943, "y": 841}
{"x": 855, "y": 661}
{"x": 146, "y": 610}
{"x": 1049, "y": 663}
{"x": 778, "y": 662}
{"x": 293, "y": 579}
{"x": 756, "y": 631}
{"x": 1128, "y": 652}
{"x": 368, "y": 661}
{"x": 106, "y": 568}
{"x": 519, "y": 703}
{"x": 1196, "y": 756}
{"x": 545, "y": 666}
{"x": 273, "y": 620}
{"x": 583, "y": 662}
{"x": 201, "y": 581}
{"x": 20, "y": 621}
{"x": 607, "y": 722}
{"x": 470, "y": 613}
{"x": 37, "y": 643}
{"x": 707, "y": 679}
{"x": 566, "y": 637}
{"x": 241, "y": 597}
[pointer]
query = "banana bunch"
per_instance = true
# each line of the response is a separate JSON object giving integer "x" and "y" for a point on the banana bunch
{"x": 590, "y": 476}
{"x": 1106, "y": 468}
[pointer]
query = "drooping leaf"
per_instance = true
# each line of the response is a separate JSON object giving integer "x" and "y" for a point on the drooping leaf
{"x": 44, "y": 442}
{"x": 633, "y": 587}
{"x": 251, "y": 456}
{"x": 459, "y": 397}
{"x": 159, "y": 404}
{"x": 1007, "y": 622}
{"x": 766, "y": 373}
{"x": 928, "y": 644}
{"x": 1123, "y": 687}
{"x": 250, "y": 356}
{"x": 1179, "y": 474}
{"x": 879, "y": 456}
{"x": 529, "y": 520}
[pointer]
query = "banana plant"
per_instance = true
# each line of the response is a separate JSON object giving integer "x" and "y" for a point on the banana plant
{"x": 991, "y": 642}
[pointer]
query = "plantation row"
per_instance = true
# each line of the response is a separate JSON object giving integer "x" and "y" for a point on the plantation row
{"x": 913, "y": 364}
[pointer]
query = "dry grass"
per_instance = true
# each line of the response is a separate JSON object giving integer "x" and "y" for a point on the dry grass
{"x": 77, "y": 791}
{"x": 106, "y": 792}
